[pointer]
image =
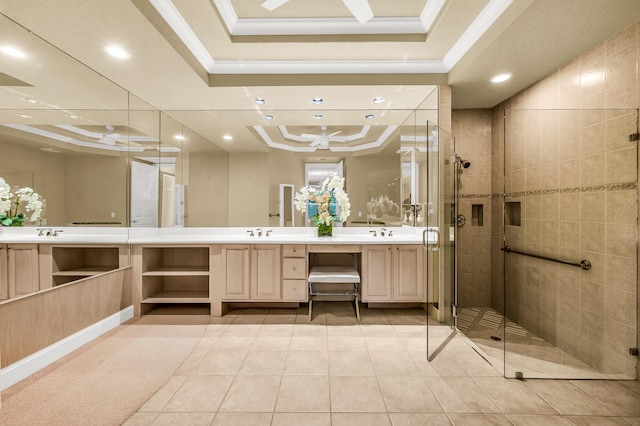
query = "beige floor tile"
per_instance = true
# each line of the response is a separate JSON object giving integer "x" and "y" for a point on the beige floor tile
{"x": 461, "y": 395}
{"x": 414, "y": 344}
{"x": 596, "y": 421}
{"x": 243, "y": 330}
{"x": 242, "y": 419}
{"x": 408, "y": 394}
{"x": 346, "y": 342}
{"x": 235, "y": 342}
{"x": 192, "y": 362}
{"x": 310, "y": 330}
{"x": 513, "y": 396}
{"x": 480, "y": 420}
{"x": 263, "y": 363}
{"x": 157, "y": 402}
{"x": 345, "y": 330}
{"x": 243, "y": 398}
{"x": 272, "y": 342}
{"x": 446, "y": 365}
{"x": 355, "y": 394}
{"x": 280, "y": 319}
{"x": 535, "y": 420}
{"x": 419, "y": 419}
{"x": 393, "y": 363}
{"x": 275, "y": 329}
{"x": 424, "y": 366}
{"x": 192, "y": 419}
{"x": 375, "y": 343}
{"x": 307, "y": 362}
{"x": 360, "y": 419}
{"x": 613, "y": 395}
{"x": 568, "y": 399}
{"x": 635, "y": 421}
{"x": 377, "y": 330}
{"x": 140, "y": 419}
{"x": 350, "y": 363}
{"x": 310, "y": 342}
{"x": 306, "y": 419}
{"x": 222, "y": 362}
{"x": 215, "y": 328}
{"x": 474, "y": 365}
{"x": 199, "y": 394}
{"x": 303, "y": 394}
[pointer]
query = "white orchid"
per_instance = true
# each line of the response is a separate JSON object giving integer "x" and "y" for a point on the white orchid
{"x": 10, "y": 204}
{"x": 330, "y": 195}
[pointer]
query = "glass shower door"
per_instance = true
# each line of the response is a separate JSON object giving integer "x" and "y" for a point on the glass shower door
{"x": 570, "y": 244}
{"x": 437, "y": 156}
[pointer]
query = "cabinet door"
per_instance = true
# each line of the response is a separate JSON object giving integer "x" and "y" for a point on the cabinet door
{"x": 23, "y": 269}
{"x": 235, "y": 272}
{"x": 376, "y": 273}
{"x": 4, "y": 273}
{"x": 265, "y": 272}
{"x": 409, "y": 274}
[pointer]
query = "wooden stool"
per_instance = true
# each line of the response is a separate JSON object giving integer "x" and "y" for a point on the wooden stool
{"x": 334, "y": 275}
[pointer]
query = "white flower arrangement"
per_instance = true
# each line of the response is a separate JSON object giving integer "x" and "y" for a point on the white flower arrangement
{"x": 321, "y": 203}
{"x": 10, "y": 204}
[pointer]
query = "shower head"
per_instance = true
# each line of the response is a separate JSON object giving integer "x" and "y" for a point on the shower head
{"x": 464, "y": 163}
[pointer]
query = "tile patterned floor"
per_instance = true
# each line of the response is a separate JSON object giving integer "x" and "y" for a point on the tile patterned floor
{"x": 274, "y": 367}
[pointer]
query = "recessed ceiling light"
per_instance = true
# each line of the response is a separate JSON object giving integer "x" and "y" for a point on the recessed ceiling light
{"x": 259, "y": 101}
{"x": 499, "y": 78}
{"x": 179, "y": 137}
{"x": 378, "y": 100}
{"x": 72, "y": 116}
{"x": 318, "y": 116}
{"x": 317, "y": 101}
{"x": 32, "y": 101}
{"x": 268, "y": 117}
{"x": 117, "y": 52}
{"x": 24, "y": 116}
{"x": 12, "y": 51}
{"x": 227, "y": 137}
{"x": 369, "y": 116}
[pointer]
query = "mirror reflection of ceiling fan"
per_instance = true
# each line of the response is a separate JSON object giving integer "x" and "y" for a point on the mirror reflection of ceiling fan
{"x": 360, "y": 9}
{"x": 322, "y": 140}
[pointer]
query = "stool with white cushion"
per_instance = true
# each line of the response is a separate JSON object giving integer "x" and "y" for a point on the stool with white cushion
{"x": 319, "y": 275}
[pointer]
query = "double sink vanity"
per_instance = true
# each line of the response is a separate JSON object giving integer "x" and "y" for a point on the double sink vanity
{"x": 205, "y": 269}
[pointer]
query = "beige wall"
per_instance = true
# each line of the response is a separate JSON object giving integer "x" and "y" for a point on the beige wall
{"x": 284, "y": 167}
{"x": 207, "y": 189}
{"x": 249, "y": 190}
{"x": 47, "y": 171}
{"x": 574, "y": 173}
{"x": 95, "y": 186}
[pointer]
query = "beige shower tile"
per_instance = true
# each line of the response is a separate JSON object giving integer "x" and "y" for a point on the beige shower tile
{"x": 199, "y": 394}
{"x": 303, "y": 394}
{"x": 355, "y": 394}
{"x": 618, "y": 130}
{"x": 591, "y": 139}
{"x": 621, "y": 239}
{"x": 592, "y": 207}
{"x": 621, "y": 306}
{"x": 243, "y": 396}
{"x": 619, "y": 168}
{"x": 591, "y": 170}
{"x": 621, "y": 272}
{"x": 621, "y": 207}
{"x": 242, "y": 419}
{"x": 592, "y": 237}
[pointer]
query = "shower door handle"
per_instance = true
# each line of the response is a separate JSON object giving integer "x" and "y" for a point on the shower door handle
{"x": 425, "y": 244}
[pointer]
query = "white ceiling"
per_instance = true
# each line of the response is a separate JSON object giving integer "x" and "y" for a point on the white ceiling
{"x": 304, "y": 49}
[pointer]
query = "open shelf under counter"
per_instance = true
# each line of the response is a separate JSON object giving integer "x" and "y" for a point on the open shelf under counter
{"x": 85, "y": 271}
{"x": 178, "y": 297}
{"x": 177, "y": 271}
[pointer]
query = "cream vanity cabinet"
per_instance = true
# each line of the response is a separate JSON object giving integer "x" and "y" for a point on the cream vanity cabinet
{"x": 250, "y": 272}
{"x": 393, "y": 273}
{"x": 18, "y": 270}
{"x": 177, "y": 276}
{"x": 64, "y": 263}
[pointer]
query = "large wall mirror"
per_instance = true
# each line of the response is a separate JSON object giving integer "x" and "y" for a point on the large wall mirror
{"x": 102, "y": 156}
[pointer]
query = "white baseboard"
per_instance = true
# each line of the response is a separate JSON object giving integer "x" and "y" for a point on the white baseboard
{"x": 22, "y": 369}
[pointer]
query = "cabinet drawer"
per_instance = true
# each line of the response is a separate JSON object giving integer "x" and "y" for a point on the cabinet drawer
{"x": 334, "y": 248}
{"x": 294, "y": 290}
{"x": 294, "y": 250}
{"x": 294, "y": 268}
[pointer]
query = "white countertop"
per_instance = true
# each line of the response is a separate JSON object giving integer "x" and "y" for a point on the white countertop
{"x": 226, "y": 235}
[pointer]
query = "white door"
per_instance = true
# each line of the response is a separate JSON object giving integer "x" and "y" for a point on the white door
{"x": 144, "y": 195}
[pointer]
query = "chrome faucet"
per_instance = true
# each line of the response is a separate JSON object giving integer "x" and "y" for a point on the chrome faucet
{"x": 259, "y": 231}
{"x": 375, "y": 234}
{"x": 268, "y": 232}
{"x": 250, "y": 231}
{"x": 56, "y": 233}
{"x": 44, "y": 232}
{"x": 382, "y": 231}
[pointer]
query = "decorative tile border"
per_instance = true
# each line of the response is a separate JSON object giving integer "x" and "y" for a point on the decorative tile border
{"x": 626, "y": 186}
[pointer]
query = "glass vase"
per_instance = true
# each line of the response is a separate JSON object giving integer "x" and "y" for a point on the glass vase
{"x": 325, "y": 230}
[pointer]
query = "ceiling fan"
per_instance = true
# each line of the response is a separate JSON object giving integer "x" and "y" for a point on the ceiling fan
{"x": 322, "y": 140}
{"x": 109, "y": 138}
{"x": 360, "y": 9}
